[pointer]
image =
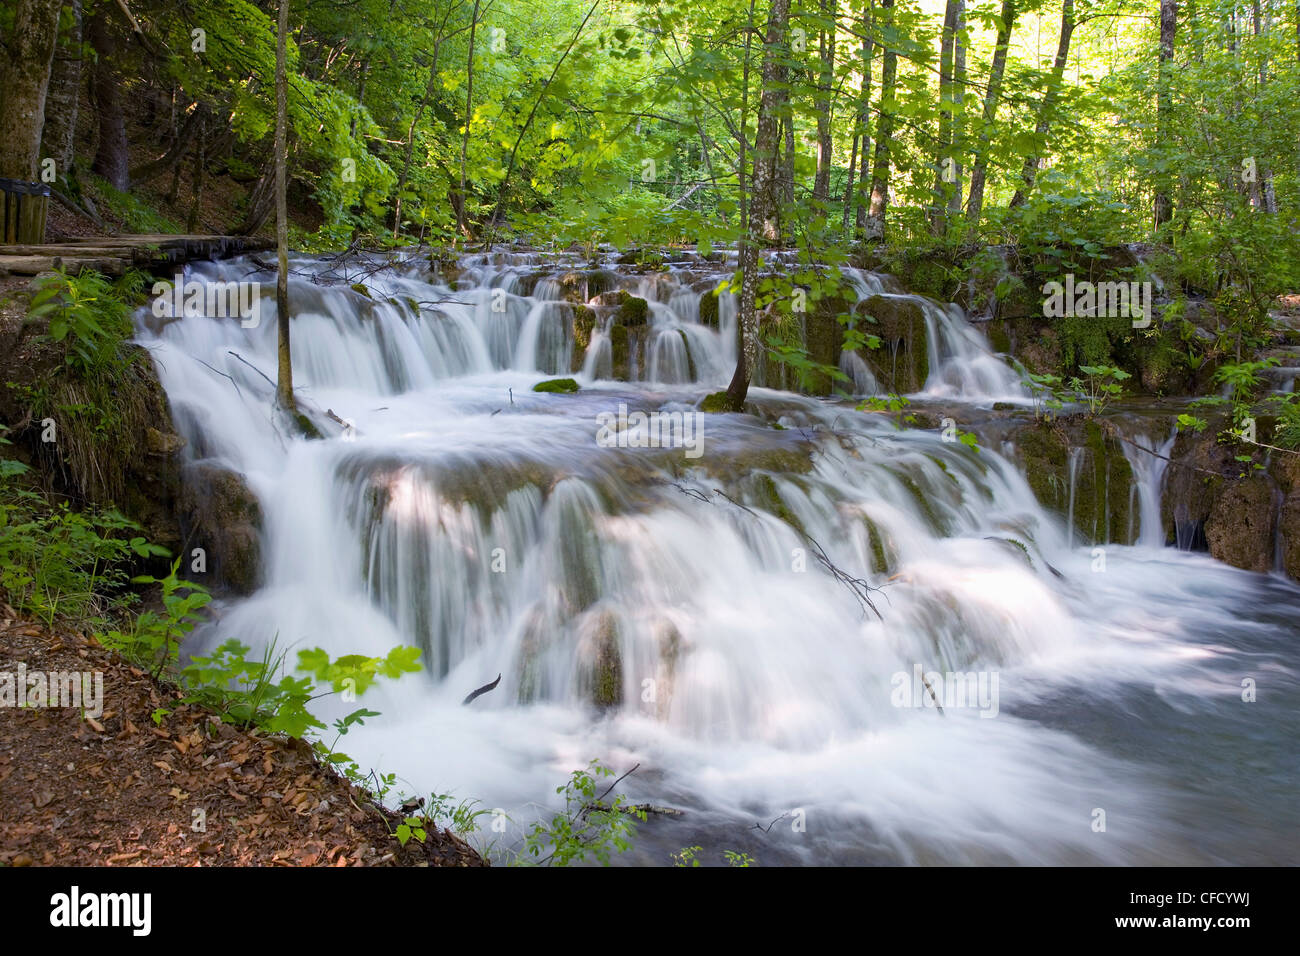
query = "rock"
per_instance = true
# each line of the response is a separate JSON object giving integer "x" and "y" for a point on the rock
{"x": 600, "y": 668}
{"x": 220, "y": 514}
{"x": 903, "y": 360}
{"x": 1239, "y": 528}
{"x": 1102, "y": 477}
{"x": 709, "y": 310}
{"x": 556, "y": 385}
{"x": 584, "y": 322}
{"x": 632, "y": 310}
{"x": 160, "y": 443}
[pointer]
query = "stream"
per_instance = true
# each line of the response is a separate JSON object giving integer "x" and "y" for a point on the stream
{"x": 745, "y": 624}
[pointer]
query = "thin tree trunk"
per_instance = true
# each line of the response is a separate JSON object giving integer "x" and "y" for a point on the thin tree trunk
{"x": 200, "y": 163}
{"x": 24, "y": 79}
{"x": 762, "y": 225}
{"x": 1164, "y": 205}
{"x": 884, "y": 135}
{"x": 853, "y": 174}
{"x": 284, "y": 386}
{"x": 1030, "y": 170}
{"x": 864, "y": 117}
{"x": 979, "y": 174}
{"x": 938, "y": 213}
{"x": 469, "y": 115}
{"x": 958, "y": 117}
{"x": 111, "y": 157}
{"x": 63, "y": 97}
{"x": 822, "y": 182}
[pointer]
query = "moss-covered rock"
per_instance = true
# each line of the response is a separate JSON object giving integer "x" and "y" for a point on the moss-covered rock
{"x": 717, "y": 402}
{"x": 903, "y": 359}
{"x": 620, "y": 346}
{"x": 1239, "y": 529}
{"x": 600, "y": 671}
{"x": 632, "y": 310}
{"x": 709, "y": 310}
{"x": 220, "y": 514}
{"x": 583, "y": 323}
{"x": 1084, "y": 461}
{"x": 563, "y": 385}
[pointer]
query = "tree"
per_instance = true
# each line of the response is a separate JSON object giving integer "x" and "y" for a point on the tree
{"x": 884, "y": 129}
{"x": 826, "y": 49}
{"x": 1164, "y": 205}
{"x": 24, "y": 79}
{"x": 943, "y": 178}
{"x": 975, "y": 202}
{"x": 1030, "y": 170}
{"x": 284, "y": 384}
{"x": 762, "y": 228}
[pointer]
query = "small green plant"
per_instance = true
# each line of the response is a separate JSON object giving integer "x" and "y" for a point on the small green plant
{"x": 153, "y": 639}
{"x": 1044, "y": 391}
{"x": 88, "y": 314}
{"x": 687, "y": 856}
{"x": 1099, "y": 387}
{"x": 737, "y": 859}
{"x": 893, "y": 403}
{"x": 1191, "y": 422}
{"x": 587, "y": 828}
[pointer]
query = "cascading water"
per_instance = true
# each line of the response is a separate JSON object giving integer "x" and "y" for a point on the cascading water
{"x": 645, "y": 606}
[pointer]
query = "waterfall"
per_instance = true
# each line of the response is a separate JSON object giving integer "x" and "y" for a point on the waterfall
{"x": 1148, "y": 461}
{"x": 708, "y": 617}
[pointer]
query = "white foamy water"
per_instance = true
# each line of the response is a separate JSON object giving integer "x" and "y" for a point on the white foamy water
{"x": 482, "y": 522}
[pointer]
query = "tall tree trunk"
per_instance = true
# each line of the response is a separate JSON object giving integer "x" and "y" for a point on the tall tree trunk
{"x": 979, "y": 174}
{"x": 822, "y": 182}
{"x": 762, "y": 225}
{"x": 63, "y": 97}
{"x": 1267, "y": 195}
{"x": 938, "y": 213}
{"x": 853, "y": 175}
{"x": 958, "y": 116}
{"x": 111, "y": 156}
{"x": 884, "y": 136}
{"x": 469, "y": 115}
{"x": 24, "y": 79}
{"x": 1164, "y": 204}
{"x": 284, "y": 385}
{"x": 1030, "y": 170}
{"x": 864, "y": 116}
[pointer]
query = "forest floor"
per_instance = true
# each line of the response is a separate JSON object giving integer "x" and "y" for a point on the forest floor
{"x": 188, "y": 790}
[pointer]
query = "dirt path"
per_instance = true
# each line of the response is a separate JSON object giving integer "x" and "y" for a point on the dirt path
{"x": 190, "y": 790}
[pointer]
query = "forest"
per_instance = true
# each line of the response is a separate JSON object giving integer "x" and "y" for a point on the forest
{"x": 810, "y": 432}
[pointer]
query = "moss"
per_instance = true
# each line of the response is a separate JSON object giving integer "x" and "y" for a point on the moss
{"x": 884, "y": 559}
{"x": 602, "y": 673}
{"x": 690, "y": 359}
{"x": 717, "y": 402}
{"x": 632, "y": 310}
{"x": 1102, "y": 480}
{"x": 360, "y": 289}
{"x": 620, "y": 350}
{"x": 763, "y": 492}
{"x": 932, "y": 517}
{"x": 709, "y": 310}
{"x": 556, "y": 385}
{"x": 903, "y": 360}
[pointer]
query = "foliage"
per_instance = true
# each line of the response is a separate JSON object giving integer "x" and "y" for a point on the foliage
{"x": 588, "y": 828}
{"x": 152, "y": 638}
{"x": 1100, "y": 386}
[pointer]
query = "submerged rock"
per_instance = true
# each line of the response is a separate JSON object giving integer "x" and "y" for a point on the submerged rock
{"x": 220, "y": 513}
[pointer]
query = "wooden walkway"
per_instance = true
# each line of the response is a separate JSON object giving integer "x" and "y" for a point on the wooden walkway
{"x": 113, "y": 255}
